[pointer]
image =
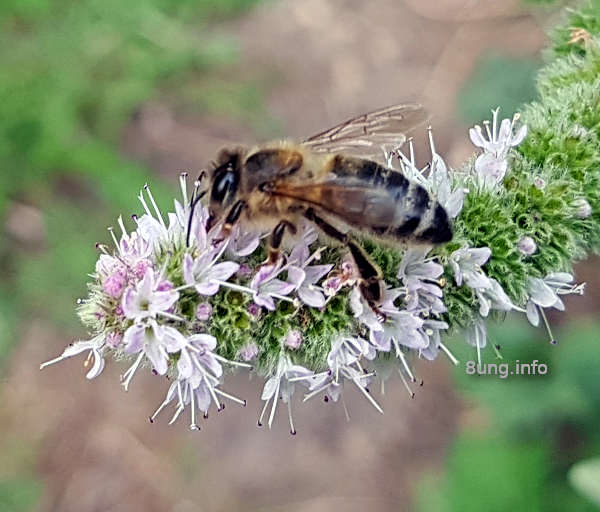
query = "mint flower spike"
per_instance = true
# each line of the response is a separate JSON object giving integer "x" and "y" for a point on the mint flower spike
{"x": 492, "y": 164}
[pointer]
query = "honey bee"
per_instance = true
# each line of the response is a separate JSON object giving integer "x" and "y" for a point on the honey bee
{"x": 332, "y": 179}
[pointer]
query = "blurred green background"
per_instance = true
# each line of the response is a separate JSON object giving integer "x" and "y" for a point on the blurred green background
{"x": 99, "y": 97}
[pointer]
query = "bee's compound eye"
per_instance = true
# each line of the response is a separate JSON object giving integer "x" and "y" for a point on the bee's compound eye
{"x": 222, "y": 185}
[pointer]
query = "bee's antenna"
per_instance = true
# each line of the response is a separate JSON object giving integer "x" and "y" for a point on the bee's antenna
{"x": 193, "y": 202}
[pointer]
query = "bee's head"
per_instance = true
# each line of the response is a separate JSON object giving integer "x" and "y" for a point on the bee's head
{"x": 225, "y": 180}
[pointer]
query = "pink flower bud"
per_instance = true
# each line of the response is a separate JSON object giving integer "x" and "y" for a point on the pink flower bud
{"x": 582, "y": 208}
{"x": 293, "y": 339}
{"x": 527, "y": 245}
{"x": 248, "y": 351}
{"x": 203, "y": 311}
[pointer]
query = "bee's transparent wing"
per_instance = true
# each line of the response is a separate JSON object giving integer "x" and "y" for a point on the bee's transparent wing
{"x": 368, "y": 135}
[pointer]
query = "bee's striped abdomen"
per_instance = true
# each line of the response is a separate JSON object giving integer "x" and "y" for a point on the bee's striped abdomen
{"x": 416, "y": 215}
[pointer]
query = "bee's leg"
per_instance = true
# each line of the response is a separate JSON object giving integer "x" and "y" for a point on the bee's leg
{"x": 232, "y": 217}
{"x": 275, "y": 241}
{"x": 371, "y": 284}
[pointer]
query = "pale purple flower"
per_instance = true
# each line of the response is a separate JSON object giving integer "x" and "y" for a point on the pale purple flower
{"x": 539, "y": 183}
{"x": 95, "y": 348}
{"x": 282, "y": 385}
{"x": 527, "y": 246}
{"x": 267, "y": 287}
{"x": 150, "y": 229}
{"x": 399, "y": 328}
{"x": 197, "y": 391}
{"x": 197, "y": 358}
{"x": 303, "y": 275}
{"x": 307, "y": 291}
{"x": 203, "y": 311}
{"x": 416, "y": 266}
{"x": 432, "y": 329}
{"x": 492, "y": 164}
{"x": 424, "y": 298}
{"x": 155, "y": 341}
{"x": 249, "y": 351}
{"x": 582, "y": 208}
{"x": 498, "y": 142}
{"x": 293, "y": 339}
{"x": 544, "y": 293}
{"x": 145, "y": 300}
{"x": 344, "y": 365}
{"x": 493, "y": 297}
{"x": 466, "y": 264}
{"x": 133, "y": 247}
{"x": 420, "y": 277}
{"x": 204, "y": 272}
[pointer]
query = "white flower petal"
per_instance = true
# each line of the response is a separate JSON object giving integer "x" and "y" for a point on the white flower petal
{"x": 156, "y": 357}
{"x": 207, "y": 289}
{"x": 184, "y": 365}
{"x": 270, "y": 388}
{"x": 205, "y": 341}
{"x": 519, "y": 136}
{"x": 476, "y": 136}
{"x": 310, "y": 297}
{"x": 188, "y": 269}
{"x": 222, "y": 271}
{"x": 133, "y": 339}
{"x": 172, "y": 339}
{"x": 98, "y": 365}
{"x": 532, "y": 314}
{"x": 541, "y": 293}
{"x": 203, "y": 398}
